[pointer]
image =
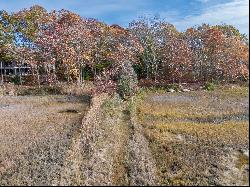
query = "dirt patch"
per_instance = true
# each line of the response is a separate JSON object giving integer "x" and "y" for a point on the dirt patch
{"x": 236, "y": 171}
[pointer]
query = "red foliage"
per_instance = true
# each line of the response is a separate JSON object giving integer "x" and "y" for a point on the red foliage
{"x": 63, "y": 37}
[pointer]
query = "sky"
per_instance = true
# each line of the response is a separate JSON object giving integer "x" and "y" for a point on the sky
{"x": 181, "y": 13}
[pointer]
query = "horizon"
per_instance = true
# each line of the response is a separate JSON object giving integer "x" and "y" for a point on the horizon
{"x": 181, "y": 13}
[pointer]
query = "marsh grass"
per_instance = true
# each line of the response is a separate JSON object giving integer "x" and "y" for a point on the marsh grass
{"x": 190, "y": 134}
{"x": 242, "y": 161}
{"x": 35, "y": 137}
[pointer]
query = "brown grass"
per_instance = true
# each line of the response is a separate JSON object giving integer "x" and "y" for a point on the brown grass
{"x": 34, "y": 137}
{"x": 194, "y": 138}
{"x": 242, "y": 161}
{"x": 192, "y": 134}
{"x": 98, "y": 156}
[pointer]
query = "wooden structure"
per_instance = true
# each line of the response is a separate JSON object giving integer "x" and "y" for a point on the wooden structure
{"x": 13, "y": 69}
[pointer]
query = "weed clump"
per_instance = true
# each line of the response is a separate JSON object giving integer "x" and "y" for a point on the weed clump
{"x": 209, "y": 86}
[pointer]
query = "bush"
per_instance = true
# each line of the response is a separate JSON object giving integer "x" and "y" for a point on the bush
{"x": 138, "y": 68}
{"x": 101, "y": 66}
{"x": 30, "y": 80}
{"x": 174, "y": 86}
{"x": 16, "y": 80}
{"x": 87, "y": 74}
{"x": 127, "y": 81}
{"x": 43, "y": 90}
{"x": 209, "y": 86}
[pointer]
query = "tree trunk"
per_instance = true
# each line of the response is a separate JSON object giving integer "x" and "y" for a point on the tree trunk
{"x": 83, "y": 76}
{"x": 147, "y": 72}
{"x": 80, "y": 75}
{"x": 46, "y": 72}
{"x": 54, "y": 74}
{"x": 2, "y": 72}
{"x": 20, "y": 75}
{"x": 49, "y": 75}
{"x": 67, "y": 74}
{"x": 38, "y": 77}
{"x": 156, "y": 74}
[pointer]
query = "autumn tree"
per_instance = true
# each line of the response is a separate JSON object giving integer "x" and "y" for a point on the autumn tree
{"x": 148, "y": 31}
{"x": 63, "y": 44}
{"x": 114, "y": 46}
{"x": 7, "y": 35}
{"x": 176, "y": 55}
{"x": 218, "y": 53}
{"x": 66, "y": 41}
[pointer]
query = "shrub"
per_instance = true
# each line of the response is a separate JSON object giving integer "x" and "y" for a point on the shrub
{"x": 209, "y": 86}
{"x": 174, "y": 86}
{"x": 43, "y": 90}
{"x": 101, "y": 66}
{"x": 16, "y": 80}
{"x": 87, "y": 74}
{"x": 138, "y": 68}
{"x": 127, "y": 81}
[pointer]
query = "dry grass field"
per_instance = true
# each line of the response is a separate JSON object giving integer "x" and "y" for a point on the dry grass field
{"x": 200, "y": 137}
{"x": 35, "y": 133}
{"x": 156, "y": 138}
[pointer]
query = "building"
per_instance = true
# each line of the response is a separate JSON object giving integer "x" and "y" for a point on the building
{"x": 10, "y": 69}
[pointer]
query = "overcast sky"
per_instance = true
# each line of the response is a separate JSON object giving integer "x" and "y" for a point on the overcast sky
{"x": 181, "y": 13}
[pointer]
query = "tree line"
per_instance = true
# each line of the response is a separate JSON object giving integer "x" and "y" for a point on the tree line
{"x": 66, "y": 47}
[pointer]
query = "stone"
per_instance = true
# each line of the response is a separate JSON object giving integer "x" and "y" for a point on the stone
{"x": 246, "y": 152}
{"x": 185, "y": 90}
{"x": 171, "y": 90}
{"x": 11, "y": 93}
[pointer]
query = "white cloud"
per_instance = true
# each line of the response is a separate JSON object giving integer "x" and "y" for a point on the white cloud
{"x": 203, "y": 1}
{"x": 235, "y": 13}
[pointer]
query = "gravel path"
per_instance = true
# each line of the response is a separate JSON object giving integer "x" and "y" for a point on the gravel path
{"x": 35, "y": 133}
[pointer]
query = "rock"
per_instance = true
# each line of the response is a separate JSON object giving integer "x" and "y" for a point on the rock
{"x": 246, "y": 152}
{"x": 11, "y": 93}
{"x": 171, "y": 90}
{"x": 185, "y": 90}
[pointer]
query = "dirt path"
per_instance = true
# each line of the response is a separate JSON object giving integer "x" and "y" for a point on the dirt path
{"x": 35, "y": 133}
{"x": 110, "y": 150}
{"x": 141, "y": 164}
